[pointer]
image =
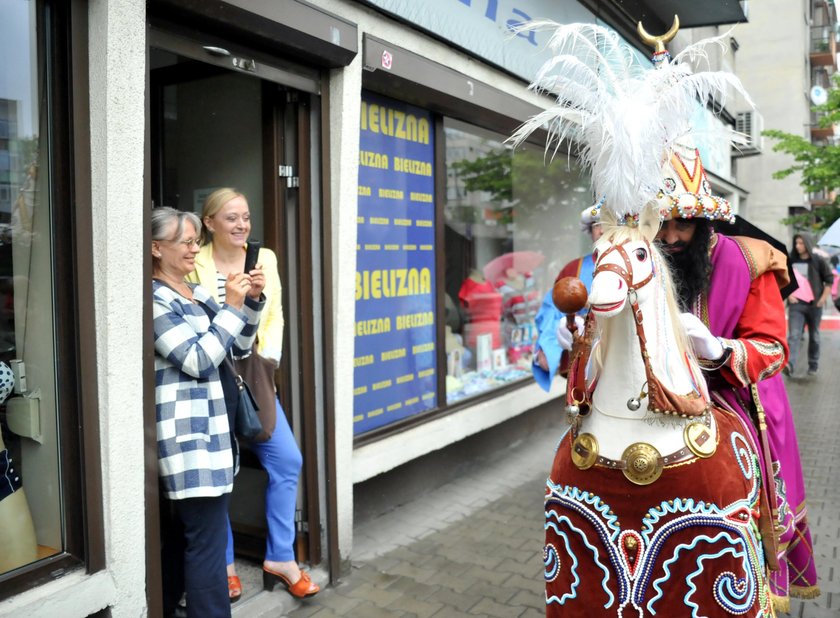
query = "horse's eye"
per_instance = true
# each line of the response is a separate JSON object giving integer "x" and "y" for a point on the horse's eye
{"x": 641, "y": 254}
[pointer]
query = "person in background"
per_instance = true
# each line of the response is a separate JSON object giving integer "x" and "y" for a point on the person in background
{"x": 554, "y": 338}
{"x": 807, "y": 313}
{"x": 195, "y": 448}
{"x": 227, "y": 222}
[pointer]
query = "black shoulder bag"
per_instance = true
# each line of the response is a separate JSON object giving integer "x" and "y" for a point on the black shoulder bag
{"x": 242, "y": 408}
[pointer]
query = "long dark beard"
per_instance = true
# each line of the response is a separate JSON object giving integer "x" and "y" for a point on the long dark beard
{"x": 692, "y": 267}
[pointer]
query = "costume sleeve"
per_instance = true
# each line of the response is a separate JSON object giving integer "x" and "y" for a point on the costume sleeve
{"x": 759, "y": 346}
{"x": 547, "y": 320}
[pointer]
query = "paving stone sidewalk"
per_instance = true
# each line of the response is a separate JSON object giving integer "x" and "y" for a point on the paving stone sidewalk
{"x": 473, "y": 547}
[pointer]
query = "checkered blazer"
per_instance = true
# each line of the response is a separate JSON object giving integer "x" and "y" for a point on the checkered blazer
{"x": 195, "y": 457}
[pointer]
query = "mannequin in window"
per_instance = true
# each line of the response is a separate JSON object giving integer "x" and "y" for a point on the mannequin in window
{"x": 17, "y": 533}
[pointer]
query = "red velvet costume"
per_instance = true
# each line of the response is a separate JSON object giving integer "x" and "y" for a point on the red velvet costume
{"x": 625, "y": 551}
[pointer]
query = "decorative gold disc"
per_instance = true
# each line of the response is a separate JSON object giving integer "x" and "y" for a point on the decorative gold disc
{"x": 700, "y": 440}
{"x": 642, "y": 463}
{"x": 585, "y": 451}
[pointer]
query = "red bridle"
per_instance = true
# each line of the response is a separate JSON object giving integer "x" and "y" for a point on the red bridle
{"x": 625, "y": 273}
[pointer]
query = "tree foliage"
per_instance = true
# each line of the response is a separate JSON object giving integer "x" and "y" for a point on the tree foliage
{"x": 818, "y": 164}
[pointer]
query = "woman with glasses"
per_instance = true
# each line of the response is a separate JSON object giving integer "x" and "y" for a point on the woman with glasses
{"x": 227, "y": 226}
{"x": 193, "y": 335}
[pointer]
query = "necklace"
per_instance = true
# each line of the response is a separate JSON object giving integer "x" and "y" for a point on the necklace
{"x": 228, "y": 262}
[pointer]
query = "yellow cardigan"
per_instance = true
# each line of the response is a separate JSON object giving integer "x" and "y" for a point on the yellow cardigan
{"x": 270, "y": 330}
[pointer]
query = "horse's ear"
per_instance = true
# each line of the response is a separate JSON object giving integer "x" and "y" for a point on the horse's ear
{"x": 649, "y": 222}
{"x": 608, "y": 218}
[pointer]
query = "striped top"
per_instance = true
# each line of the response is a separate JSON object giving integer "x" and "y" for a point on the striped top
{"x": 195, "y": 454}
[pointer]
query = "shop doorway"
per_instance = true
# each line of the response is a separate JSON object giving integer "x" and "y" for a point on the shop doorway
{"x": 221, "y": 116}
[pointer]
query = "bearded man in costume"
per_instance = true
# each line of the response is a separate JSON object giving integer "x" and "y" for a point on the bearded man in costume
{"x": 729, "y": 287}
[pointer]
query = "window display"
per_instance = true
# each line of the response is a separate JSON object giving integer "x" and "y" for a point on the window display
{"x": 509, "y": 228}
{"x": 30, "y": 488}
{"x": 507, "y": 236}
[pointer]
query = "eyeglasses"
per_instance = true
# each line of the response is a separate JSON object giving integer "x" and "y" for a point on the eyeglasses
{"x": 188, "y": 243}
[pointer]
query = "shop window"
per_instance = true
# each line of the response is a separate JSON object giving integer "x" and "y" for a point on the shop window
{"x": 511, "y": 224}
{"x": 40, "y": 501}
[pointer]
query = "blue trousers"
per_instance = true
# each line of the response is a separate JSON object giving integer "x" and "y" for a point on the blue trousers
{"x": 281, "y": 458}
{"x": 801, "y": 315}
{"x": 193, "y": 554}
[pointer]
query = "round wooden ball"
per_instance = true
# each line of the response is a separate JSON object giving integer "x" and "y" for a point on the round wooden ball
{"x": 569, "y": 295}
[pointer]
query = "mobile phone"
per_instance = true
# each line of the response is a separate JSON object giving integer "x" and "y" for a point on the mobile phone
{"x": 251, "y": 255}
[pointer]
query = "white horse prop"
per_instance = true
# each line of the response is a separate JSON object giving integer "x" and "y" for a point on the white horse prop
{"x": 652, "y": 502}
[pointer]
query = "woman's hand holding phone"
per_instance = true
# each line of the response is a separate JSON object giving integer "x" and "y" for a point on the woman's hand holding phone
{"x": 236, "y": 286}
{"x": 257, "y": 281}
{"x": 254, "y": 270}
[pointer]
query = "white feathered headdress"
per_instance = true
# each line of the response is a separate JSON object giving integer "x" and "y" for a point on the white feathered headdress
{"x": 625, "y": 119}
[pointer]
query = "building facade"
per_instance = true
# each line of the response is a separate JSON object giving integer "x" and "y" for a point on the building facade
{"x": 413, "y": 244}
{"x": 786, "y": 74}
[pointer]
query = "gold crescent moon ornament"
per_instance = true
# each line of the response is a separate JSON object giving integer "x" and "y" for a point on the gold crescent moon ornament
{"x": 658, "y": 42}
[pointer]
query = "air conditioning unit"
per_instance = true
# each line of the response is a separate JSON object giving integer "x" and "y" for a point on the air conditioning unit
{"x": 750, "y": 124}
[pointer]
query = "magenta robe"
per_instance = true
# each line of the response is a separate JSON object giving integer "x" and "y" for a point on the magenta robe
{"x": 728, "y": 296}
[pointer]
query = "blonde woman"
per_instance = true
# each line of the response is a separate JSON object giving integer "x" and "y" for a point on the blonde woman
{"x": 227, "y": 226}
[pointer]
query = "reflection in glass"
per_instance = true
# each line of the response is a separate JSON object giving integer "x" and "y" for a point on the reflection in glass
{"x": 30, "y": 490}
{"x": 511, "y": 224}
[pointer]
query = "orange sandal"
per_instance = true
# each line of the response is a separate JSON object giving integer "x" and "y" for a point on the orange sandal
{"x": 234, "y": 588}
{"x": 302, "y": 588}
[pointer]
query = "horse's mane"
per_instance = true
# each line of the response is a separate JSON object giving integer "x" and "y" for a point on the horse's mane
{"x": 618, "y": 234}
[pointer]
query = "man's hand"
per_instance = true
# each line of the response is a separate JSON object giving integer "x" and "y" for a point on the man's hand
{"x": 792, "y": 300}
{"x": 705, "y": 344}
{"x": 564, "y": 335}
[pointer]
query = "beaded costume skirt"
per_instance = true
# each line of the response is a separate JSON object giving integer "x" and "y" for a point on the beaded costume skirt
{"x": 686, "y": 545}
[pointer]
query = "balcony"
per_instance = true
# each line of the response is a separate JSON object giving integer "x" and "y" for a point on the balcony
{"x": 823, "y": 48}
{"x": 820, "y": 198}
{"x": 819, "y": 133}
